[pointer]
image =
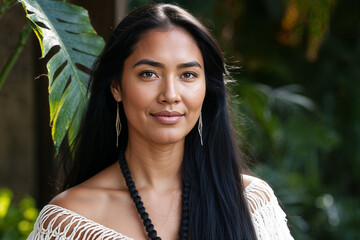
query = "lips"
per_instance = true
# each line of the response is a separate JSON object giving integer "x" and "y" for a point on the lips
{"x": 167, "y": 114}
{"x": 167, "y": 117}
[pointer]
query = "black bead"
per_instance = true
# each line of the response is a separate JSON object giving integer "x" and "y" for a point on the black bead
{"x": 150, "y": 228}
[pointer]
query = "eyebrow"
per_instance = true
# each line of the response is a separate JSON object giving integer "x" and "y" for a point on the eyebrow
{"x": 189, "y": 64}
{"x": 161, "y": 65}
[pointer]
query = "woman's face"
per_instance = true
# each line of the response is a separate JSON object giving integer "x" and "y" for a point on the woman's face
{"x": 163, "y": 86}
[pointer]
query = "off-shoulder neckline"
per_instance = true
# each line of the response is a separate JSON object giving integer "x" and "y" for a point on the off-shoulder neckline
{"x": 122, "y": 236}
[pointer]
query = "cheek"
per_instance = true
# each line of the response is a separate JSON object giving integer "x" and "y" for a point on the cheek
{"x": 196, "y": 96}
{"x": 135, "y": 98}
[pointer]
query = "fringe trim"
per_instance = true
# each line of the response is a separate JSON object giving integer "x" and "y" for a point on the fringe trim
{"x": 55, "y": 222}
{"x": 268, "y": 218}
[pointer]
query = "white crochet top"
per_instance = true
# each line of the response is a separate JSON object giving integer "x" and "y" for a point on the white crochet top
{"x": 55, "y": 222}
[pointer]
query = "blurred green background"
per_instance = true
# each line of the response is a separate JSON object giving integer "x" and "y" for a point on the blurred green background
{"x": 295, "y": 103}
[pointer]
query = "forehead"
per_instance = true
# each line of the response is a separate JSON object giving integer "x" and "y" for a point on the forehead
{"x": 167, "y": 45}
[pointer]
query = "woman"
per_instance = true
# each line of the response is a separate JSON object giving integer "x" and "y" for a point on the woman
{"x": 158, "y": 109}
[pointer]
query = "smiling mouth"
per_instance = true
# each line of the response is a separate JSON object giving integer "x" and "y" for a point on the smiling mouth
{"x": 166, "y": 117}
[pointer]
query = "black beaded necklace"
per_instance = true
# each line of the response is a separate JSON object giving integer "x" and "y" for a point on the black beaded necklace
{"x": 152, "y": 234}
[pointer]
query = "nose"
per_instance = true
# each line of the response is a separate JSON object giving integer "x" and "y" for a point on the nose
{"x": 170, "y": 91}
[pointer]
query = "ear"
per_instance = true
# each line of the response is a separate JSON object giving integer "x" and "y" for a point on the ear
{"x": 115, "y": 90}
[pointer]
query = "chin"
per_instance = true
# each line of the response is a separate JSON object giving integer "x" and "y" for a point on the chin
{"x": 168, "y": 142}
{"x": 164, "y": 140}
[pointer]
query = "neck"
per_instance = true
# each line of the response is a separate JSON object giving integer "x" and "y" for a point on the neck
{"x": 155, "y": 166}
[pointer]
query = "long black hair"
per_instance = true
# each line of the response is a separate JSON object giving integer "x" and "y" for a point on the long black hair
{"x": 216, "y": 205}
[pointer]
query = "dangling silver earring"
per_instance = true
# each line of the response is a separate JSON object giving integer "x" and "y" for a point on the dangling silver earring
{"x": 117, "y": 124}
{"x": 200, "y": 127}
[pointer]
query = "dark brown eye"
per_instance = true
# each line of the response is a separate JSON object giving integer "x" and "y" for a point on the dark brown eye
{"x": 188, "y": 75}
{"x": 148, "y": 74}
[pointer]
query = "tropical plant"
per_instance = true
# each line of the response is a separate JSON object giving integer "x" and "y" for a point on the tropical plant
{"x": 60, "y": 24}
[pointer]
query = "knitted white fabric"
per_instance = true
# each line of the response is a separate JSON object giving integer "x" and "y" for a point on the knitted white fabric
{"x": 58, "y": 223}
{"x": 269, "y": 220}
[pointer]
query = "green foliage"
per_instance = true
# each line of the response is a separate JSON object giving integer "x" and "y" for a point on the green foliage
{"x": 16, "y": 220}
{"x": 57, "y": 23}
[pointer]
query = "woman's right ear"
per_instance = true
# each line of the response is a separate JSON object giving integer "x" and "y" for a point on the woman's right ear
{"x": 115, "y": 90}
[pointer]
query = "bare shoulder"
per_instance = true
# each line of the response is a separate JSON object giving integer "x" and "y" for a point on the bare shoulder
{"x": 63, "y": 213}
{"x": 83, "y": 209}
{"x": 77, "y": 199}
{"x": 90, "y": 197}
{"x": 94, "y": 204}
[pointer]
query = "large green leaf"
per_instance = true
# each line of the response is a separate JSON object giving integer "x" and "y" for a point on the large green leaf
{"x": 57, "y": 23}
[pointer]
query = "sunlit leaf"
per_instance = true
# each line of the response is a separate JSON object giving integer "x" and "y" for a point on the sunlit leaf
{"x": 57, "y": 23}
